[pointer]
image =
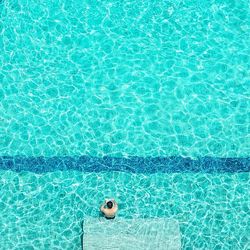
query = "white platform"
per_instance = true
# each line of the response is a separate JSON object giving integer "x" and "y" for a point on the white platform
{"x": 131, "y": 234}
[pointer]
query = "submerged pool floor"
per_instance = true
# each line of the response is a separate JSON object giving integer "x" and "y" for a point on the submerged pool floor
{"x": 46, "y": 211}
{"x": 108, "y": 78}
{"x": 169, "y": 78}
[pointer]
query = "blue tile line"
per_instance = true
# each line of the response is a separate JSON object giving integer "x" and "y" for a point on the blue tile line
{"x": 146, "y": 165}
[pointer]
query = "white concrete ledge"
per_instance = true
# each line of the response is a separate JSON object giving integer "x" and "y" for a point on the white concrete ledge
{"x": 131, "y": 234}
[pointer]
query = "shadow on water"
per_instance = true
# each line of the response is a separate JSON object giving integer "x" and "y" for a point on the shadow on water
{"x": 147, "y": 165}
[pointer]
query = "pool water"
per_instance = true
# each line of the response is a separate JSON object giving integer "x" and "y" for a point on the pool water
{"x": 129, "y": 80}
{"x": 45, "y": 211}
{"x": 125, "y": 78}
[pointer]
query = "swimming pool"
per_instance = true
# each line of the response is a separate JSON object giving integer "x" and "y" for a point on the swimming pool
{"x": 144, "y": 102}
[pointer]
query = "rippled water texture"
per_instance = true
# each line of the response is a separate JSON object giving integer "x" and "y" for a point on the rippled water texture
{"x": 46, "y": 211}
{"x": 145, "y": 78}
{"x": 87, "y": 79}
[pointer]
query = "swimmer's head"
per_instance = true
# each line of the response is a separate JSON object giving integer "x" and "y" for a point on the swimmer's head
{"x": 109, "y": 204}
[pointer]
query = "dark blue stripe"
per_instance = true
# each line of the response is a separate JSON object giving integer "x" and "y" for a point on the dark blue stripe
{"x": 132, "y": 164}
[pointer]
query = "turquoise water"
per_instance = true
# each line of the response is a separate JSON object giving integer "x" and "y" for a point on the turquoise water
{"x": 46, "y": 211}
{"x": 124, "y": 78}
